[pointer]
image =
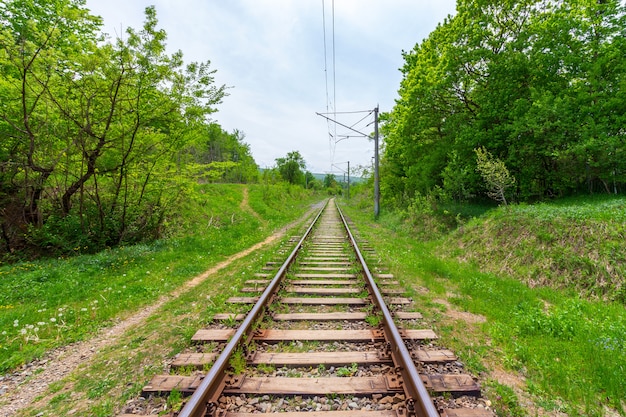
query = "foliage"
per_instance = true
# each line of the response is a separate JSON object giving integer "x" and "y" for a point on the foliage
{"x": 495, "y": 174}
{"x": 331, "y": 185}
{"x": 175, "y": 400}
{"x": 347, "y": 371}
{"x": 290, "y": 168}
{"x": 575, "y": 243}
{"x": 219, "y": 156}
{"x": 311, "y": 182}
{"x": 539, "y": 84}
{"x": 100, "y": 141}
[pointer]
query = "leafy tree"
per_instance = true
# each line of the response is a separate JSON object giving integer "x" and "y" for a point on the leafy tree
{"x": 330, "y": 181}
{"x": 291, "y": 166}
{"x": 311, "y": 182}
{"x": 213, "y": 147}
{"x": 496, "y": 175}
{"x": 90, "y": 130}
{"x": 538, "y": 83}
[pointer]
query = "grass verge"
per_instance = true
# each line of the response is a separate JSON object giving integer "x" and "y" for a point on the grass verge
{"x": 102, "y": 386}
{"x": 54, "y": 302}
{"x": 538, "y": 350}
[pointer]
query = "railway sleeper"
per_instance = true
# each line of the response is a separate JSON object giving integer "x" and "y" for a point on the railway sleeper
{"x": 275, "y": 335}
{"x": 455, "y": 385}
{"x": 401, "y": 315}
{"x": 297, "y": 359}
{"x": 454, "y": 412}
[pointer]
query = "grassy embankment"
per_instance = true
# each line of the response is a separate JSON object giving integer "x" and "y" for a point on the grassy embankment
{"x": 544, "y": 289}
{"x": 53, "y": 302}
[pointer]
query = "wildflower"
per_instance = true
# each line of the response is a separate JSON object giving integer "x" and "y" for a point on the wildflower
{"x": 16, "y": 323}
{"x": 83, "y": 309}
{"x": 53, "y": 319}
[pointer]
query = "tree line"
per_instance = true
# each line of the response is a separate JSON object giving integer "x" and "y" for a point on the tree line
{"x": 536, "y": 85}
{"x": 99, "y": 139}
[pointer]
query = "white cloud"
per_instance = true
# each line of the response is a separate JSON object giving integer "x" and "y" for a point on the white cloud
{"x": 271, "y": 52}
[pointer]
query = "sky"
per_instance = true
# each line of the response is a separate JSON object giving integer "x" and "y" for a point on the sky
{"x": 286, "y": 60}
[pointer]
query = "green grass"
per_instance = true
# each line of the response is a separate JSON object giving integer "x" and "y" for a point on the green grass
{"x": 121, "y": 369}
{"x": 575, "y": 244}
{"x": 53, "y": 302}
{"x": 569, "y": 350}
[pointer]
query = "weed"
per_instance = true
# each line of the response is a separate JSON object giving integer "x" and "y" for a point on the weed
{"x": 504, "y": 400}
{"x": 292, "y": 373}
{"x": 207, "y": 367}
{"x": 231, "y": 321}
{"x": 374, "y": 320}
{"x": 56, "y": 386}
{"x": 184, "y": 370}
{"x": 100, "y": 388}
{"x": 346, "y": 371}
{"x": 60, "y": 398}
{"x": 266, "y": 368}
{"x": 238, "y": 361}
{"x": 321, "y": 368}
{"x": 174, "y": 400}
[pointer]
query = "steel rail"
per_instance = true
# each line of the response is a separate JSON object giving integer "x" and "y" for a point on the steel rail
{"x": 421, "y": 403}
{"x": 203, "y": 397}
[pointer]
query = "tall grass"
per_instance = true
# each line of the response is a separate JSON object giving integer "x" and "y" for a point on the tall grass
{"x": 575, "y": 243}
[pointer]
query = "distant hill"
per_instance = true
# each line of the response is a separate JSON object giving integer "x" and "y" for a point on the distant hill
{"x": 338, "y": 177}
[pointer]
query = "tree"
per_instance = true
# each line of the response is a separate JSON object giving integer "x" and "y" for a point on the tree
{"x": 537, "y": 83}
{"x": 330, "y": 181}
{"x": 90, "y": 129}
{"x": 291, "y": 166}
{"x": 211, "y": 147}
{"x": 496, "y": 175}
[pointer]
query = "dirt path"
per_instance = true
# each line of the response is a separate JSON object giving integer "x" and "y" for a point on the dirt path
{"x": 20, "y": 389}
{"x": 245, "y": 206}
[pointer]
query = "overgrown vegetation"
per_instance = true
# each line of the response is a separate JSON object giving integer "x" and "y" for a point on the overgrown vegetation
{"x": 557, "y": 341}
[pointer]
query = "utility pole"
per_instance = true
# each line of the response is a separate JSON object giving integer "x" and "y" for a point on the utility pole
{"x": 348, "y": 180}
{"x": 376, "y": 178}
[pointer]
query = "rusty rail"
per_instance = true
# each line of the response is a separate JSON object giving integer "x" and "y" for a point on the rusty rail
{"x": 417, "y": 395}
{"x": 205, "y": 396}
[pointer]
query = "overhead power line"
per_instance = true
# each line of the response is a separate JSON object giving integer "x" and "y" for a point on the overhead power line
{"x": 330, "y": 135}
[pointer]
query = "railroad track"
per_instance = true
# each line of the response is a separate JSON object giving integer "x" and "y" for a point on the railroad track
{"x": 318, "y": 334}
